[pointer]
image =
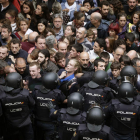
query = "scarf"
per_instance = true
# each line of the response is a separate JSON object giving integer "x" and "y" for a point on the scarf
{"x": 71, "y": 8}
{"x": 67, "y": 78}
{"x": 77, "y": 25}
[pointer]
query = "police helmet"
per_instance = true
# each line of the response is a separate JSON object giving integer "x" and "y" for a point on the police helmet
{"x": 100, "y": 77}
{"x": 128, "y": 71}
{"x": 95, "y": 118}
{"x": 13, "y": 81}
{"x": 50, "y": 80}
{"x": 126, "y": 90}
{"x": 74, "y": 103}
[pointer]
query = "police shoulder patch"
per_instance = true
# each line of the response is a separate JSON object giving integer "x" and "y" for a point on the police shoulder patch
{"x": 74, "y": 134}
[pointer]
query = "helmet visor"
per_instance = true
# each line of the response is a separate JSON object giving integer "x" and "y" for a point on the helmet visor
{"x": 94, "y": 127}
{"x": 72, "y": 111}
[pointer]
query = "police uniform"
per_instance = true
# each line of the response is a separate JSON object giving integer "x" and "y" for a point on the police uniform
{"x": 83, "y": 133}
{"x": 16, "y": 109}
{"x": 68, "y": 123}
{"x": 95, "y": 93}
{"x": 44, "y": 123}
{"x": 124, "y": 118}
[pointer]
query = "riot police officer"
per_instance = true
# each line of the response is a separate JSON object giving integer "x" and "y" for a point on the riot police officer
{"x": 94, "y": 128}
{"x": 42, "y": 94}
{"x": 16, "y": 103}
{"x": 71, "y": 117}
{"x": 96, "y": 89}
{"x": 124, "y": 113}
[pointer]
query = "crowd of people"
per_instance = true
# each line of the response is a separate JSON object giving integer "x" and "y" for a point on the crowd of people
{"x": 69, "y": 69}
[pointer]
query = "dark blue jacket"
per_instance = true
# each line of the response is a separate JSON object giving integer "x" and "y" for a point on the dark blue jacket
{"x": 102, "y": 30}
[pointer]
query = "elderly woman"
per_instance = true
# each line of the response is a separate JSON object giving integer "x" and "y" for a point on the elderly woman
{"x": 70, "y": 6}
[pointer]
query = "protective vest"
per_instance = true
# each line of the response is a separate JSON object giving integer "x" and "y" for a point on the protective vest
{"x": 69, "y": 123}
{"x": 85, "y": 134}
{"x": 124, "y": 116}
{"x": 92, "y": 93}
{"x": 16, "y": 109}
{"x": 41, "y": 99}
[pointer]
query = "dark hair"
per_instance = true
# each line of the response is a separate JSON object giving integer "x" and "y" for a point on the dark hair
{"x": 13, "y": 14}
{"x": 30, "y": 4}
{"x": 115, "y": 65}
{"x": 97, "y": 60}
{"x": 106, "y": 3}
{"x": 101, "y": 42}
{"x": 45, "y": 52}
{"x": 46, "y": 13}
{"x": 125, "y": 59}
{"x": 50, "y": 30}
{"x": 78, "y": 15}
{"x": 111, "y": 44}
{"x": 130, "y": 37}
{"x": 15, "y": 41}
{"x": 73, "y": 29}
{"x": 8, "y": 27}
{"x": 44, "y": 22}
{"x": 134, "y": 61}
{"x": 78, "y": 47}
{"x": 34, "y": 54}
{"x": 119, "y": 42}
{"x": 105, "y": 55}
{"x": 137, "y": 26}
{"x": 39, "y": 36}
{"x": 59, "y": 56}
{"x": 90, "y": 2}
{"x": 122, "y": 14}
{"x": 137, "y": 13}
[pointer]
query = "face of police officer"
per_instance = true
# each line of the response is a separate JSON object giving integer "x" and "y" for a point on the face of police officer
{"x": 101, "y": 66}
{"x": 34, "y": 71}
{"x": 84, "y": 59}
{"x": 3, "y": 53}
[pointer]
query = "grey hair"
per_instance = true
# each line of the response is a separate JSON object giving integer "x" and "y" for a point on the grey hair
{"x": 50, "y": 41}
{"x": 57, "y": 16}
{"x": 84, "y": 29}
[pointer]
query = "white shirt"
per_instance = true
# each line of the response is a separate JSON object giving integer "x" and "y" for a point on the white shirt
{"x": 93, "y": 55}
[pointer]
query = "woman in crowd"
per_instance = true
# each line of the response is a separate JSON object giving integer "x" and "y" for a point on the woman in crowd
{"x": 67, "y": 77}
{"x": 78, "y": 21}
{"x": 110, "y": 42}
{"x": 113, "y": 30}
{"x": 70, "y": 6}
{"x": 122, "y": 22}
{"x": 12, "y": 16}
{"x": 27, "y": 10}
{"x": 23, "y": 27}
{"x": 41, "y": 26}
{"x": 49, "y": 31}
{"x": 70, "y": 31}
{"x": 134, "y": 21}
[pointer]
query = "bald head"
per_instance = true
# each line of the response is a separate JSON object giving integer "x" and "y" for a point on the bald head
{"x": 62, "y": 47}
{"x": 132, "y": 54}
{"x": 32, "y": 36}
{"x": 95, "y": 16}
{"x": 84, "y": 59}
{"x": 20, "y": 65}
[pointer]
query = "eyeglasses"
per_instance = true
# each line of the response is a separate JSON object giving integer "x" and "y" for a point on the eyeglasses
{"x": 57, "y": 21}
